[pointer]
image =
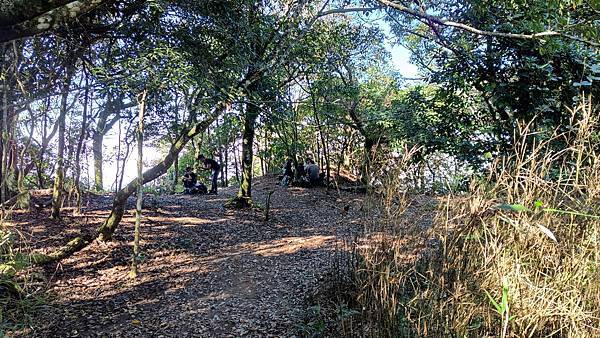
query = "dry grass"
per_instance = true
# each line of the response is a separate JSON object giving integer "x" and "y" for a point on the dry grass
{"x": 517, "y": 256}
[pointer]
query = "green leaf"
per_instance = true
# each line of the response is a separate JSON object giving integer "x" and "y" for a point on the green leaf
{"x": 504, "y": 304}
{"x": 496, "y": 305}
{"x": 513, "y": 207}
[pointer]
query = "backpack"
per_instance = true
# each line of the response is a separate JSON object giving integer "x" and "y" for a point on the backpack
{"x": 201, "y": 188}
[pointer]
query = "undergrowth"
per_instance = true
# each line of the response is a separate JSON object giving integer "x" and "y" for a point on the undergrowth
{"x": 517, "y": 256}
{"x": 20, "y": 296}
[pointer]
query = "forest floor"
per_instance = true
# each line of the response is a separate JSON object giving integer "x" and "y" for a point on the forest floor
{"x": 206, "y": 270}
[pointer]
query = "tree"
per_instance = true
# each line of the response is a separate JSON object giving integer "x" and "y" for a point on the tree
{"x": 139, "y": 197}
{"x": 58, "y": 187}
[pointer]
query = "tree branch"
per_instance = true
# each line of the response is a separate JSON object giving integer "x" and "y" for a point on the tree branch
{"x": 42, "y": 17}
{"x": 467, "y": 28}
{"x": 348, "y": 10}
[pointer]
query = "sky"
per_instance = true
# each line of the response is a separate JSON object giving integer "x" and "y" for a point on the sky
{"x": 399, "y": 58}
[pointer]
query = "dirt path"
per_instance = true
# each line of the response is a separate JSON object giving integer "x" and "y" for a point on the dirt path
{"x": 207, "y": 271}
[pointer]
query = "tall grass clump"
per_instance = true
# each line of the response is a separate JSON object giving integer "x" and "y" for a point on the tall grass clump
{"x": 516, "y": 256}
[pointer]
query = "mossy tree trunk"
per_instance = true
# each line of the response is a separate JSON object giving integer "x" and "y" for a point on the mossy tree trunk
{"x": 58, "y": 186}
{"x": 244, "y": 196}
{"x": 97, "y": 141}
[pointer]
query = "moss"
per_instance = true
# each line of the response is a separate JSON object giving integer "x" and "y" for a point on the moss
{"x": 239, "y": 202}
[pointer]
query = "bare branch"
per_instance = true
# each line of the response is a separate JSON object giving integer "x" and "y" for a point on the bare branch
{"x": 348, "y": 10}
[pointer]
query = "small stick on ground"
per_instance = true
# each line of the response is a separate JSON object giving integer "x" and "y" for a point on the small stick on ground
{"x": 268, "y": 205}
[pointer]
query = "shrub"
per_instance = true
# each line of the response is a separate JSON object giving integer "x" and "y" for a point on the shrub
{"x": 517, "y": 256}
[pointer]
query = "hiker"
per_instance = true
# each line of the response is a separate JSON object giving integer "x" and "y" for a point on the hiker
{"x": 312, "y": 172}
{"x": 300, "y": 173}
{"x": 288, "y": 173}
{"x": 189, "y": 180}
{"x": 214, "y": 167}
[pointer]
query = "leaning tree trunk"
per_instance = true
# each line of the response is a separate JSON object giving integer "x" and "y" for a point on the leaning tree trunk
{"x": 60, "y": 156}
{"x": 118, "y": 207}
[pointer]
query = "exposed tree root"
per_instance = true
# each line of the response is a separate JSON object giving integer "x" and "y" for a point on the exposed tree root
{"x": 68, "y": 249}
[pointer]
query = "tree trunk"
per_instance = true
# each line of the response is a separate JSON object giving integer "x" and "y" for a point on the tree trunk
{"x": 175, "y": 173}
{"x": 118, "y": 207}
{"x": 82, "y": 134}
{"x": 103, "y": 126}
{"x": 97, "y": 141}
{"x": 261, "y": 157}
{"x": 365, "y": 171}
{"x": 222, "y": 168}
{"x": 322, "y": 137}
{"x": 138, "y": 205}
{"x": 4, "y": 138}
{"x": 226, "y": 164}
{"x": 24, "y": 200}
{"x": 244, "y": 197}
{"x": 6, "y": 66}
{"x": 58, "y": 187}
{"x": 235, "y": 162}
{"x": 38, "y": 157}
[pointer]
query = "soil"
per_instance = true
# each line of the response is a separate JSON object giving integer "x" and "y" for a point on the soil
{"x": 206, "y": 271}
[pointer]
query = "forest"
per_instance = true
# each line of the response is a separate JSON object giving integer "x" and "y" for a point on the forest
{"x": 358, "y": 168}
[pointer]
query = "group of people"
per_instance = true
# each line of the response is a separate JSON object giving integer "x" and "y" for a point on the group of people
{"x": 308, "y": 173}
{"x": 190, "y": 179}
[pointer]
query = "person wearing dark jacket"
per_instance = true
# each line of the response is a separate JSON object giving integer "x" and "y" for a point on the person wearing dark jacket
{"x": 312, "y": 172}
{"x": 288, "y": 173}
{"x": 214, "y": 167}
{"x": 189, "y": 180}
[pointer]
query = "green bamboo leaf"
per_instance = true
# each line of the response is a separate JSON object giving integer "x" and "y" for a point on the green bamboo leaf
{"x": 513, "y": 207}
{"x": 496, "y": 305}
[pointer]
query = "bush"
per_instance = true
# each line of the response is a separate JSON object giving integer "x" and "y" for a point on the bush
{"x": 517, "y": 256}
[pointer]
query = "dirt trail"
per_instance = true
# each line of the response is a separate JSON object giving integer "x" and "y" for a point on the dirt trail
{"x": 207, "y": 271}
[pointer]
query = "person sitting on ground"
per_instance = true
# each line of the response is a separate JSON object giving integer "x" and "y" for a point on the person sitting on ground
{"x": 214, "y": 167}
{"x": 300, "y": 173}
{"x": 312, "y": 172}
{"x": 288, "y": 173}
{"x": 189, "y": 180}
{"x": 201, "y": 188}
